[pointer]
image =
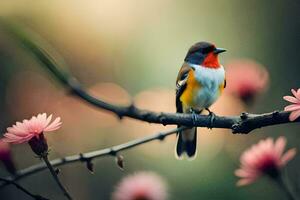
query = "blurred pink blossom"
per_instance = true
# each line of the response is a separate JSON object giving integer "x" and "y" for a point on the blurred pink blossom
{"x": 31, "y": 131}
{"x": 246, "y": 78}
{"x": 265, "y": 157}
{"x": 6, "y": 157}
{"x": 141, "y": 186}
{"x": 295, "y": 107}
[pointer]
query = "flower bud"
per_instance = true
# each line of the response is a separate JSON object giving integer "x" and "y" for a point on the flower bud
{"x": 39, "y": 145}
{"x": 120, "y": 161}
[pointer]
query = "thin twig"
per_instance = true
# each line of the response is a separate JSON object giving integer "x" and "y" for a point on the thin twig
{"x": 54, "y": 175}
{"x": 55, "y": 64}
{"x": 34, "y": 196}
{"x": 284, "y": 187}
{"x": 87, "y": 157}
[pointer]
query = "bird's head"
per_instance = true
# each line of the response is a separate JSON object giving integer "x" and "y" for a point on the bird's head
{"x": 205, "y": 54}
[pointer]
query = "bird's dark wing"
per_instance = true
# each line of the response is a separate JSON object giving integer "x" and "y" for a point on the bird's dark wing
{"x": 179, "y": 91}
{"x": 181, "y": 84}
{"x": 182, "y": 74}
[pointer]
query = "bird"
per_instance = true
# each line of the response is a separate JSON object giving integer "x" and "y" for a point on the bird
{"x": 200, "y": 82}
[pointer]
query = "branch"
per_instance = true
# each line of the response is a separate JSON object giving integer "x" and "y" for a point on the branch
{"x": 36, "y": 197}
{"x": 87, "y": 157}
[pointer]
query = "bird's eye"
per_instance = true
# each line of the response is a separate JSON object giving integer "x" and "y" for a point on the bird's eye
{"x": 208, "y": 50}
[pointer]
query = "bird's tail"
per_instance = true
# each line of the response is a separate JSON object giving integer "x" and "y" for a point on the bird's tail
{"x": 186, "y": 143}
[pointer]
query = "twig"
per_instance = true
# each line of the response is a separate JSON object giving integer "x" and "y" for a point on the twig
{"x": 284, "y": 187}
{"x": 34, "y": 196}
{"x": 239, "y": 124}
{"x": 54, "y": 175}
{"x": 87, "y": 157}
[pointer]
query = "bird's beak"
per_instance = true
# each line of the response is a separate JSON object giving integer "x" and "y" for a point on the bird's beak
{"x": 219, "y": 50}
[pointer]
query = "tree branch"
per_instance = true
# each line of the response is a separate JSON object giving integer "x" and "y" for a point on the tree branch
{"x": 89, "y": 156}
{"x": 34, "y": 196}
{"x": 244, "y": 123}
{"x": 55, "y": 64}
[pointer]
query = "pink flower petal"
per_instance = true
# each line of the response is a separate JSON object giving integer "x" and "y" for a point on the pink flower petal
{"x": 291, "y": 99}
{"x": 279, "y": 146}
{"x": 16, "y": 131}
{"x": 245, "y": 181}
{"x": 48, "y": 120}
{"x": 292, "y": 107}
{"x": 246, "y": 173}
{"x": 294, "y": 115}
{"x": 296, "y": 93}
{"x": 16, "y": 140}
{"x": 56, "y": 124}
{"x": 8, "y": 140}
{"x": 290, "y": 154}
{"x": 12, "y": 136}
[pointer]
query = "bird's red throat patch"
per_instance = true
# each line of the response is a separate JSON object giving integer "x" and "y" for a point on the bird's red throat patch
{"x": 211, "y": 61}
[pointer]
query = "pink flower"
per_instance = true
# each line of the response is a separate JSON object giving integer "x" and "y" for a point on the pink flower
{"x": 246, "y": 79}
{"x": 31, "y": 131}
{"x": 141, "y": 186}
{"x": 266, "y": 157}
{"x": 6, "y": 158}
{"x": 295, "y": 107}
{"x": 25, "y": 131}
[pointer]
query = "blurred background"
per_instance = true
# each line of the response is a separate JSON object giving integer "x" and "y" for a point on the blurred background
{"x": 124, "y": 51}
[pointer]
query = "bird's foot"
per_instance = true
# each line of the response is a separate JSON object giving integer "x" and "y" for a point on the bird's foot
{"x": 195, "y": 114}
{"x": 212, "y": 118}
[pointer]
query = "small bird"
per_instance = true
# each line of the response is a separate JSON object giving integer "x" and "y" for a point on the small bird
{"x": 199, "y": 83}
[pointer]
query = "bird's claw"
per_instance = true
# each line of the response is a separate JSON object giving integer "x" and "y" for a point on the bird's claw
{"x": 212, "y": 118}
{"x": 194, "y": 116}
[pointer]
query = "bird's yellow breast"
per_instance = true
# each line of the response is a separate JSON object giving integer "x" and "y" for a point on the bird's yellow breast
{"x": 187, "y": 97}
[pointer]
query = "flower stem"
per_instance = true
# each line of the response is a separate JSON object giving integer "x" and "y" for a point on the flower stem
{"x": 36, "y": 197}
{"x": 54, "y": 174}
{"x": 284, "y": 187}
